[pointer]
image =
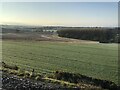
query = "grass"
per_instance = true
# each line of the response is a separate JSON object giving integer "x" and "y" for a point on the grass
{"x": 90, "y": 59}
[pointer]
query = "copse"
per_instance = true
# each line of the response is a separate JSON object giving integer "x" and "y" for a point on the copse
{"x": 104, "y": 35}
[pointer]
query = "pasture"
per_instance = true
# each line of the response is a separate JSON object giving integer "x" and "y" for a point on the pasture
{"x": 91, "y": 59}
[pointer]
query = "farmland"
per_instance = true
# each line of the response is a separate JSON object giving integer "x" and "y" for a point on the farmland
{"x": 91, "y": 59}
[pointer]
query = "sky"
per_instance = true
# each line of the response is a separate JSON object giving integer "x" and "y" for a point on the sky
{"x": 103, "y": 14}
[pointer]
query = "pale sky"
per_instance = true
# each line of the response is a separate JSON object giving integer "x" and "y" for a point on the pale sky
{"x": 60, "y": 13}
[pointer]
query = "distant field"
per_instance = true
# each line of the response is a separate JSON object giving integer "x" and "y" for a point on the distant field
{"x": 91, "y": 59}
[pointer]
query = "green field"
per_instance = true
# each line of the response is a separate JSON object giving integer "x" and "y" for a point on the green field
{"x": 91, "y": 59}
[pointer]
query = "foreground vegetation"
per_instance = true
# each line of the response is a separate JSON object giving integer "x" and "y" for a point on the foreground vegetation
{"x": 64, "y": 79}
{"x": 91, "y": 59}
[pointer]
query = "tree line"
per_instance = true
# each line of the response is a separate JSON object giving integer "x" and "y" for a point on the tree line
{"x": 103, "y": 35}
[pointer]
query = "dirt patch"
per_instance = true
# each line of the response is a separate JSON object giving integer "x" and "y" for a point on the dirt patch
{"x": 41, "y": 37}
